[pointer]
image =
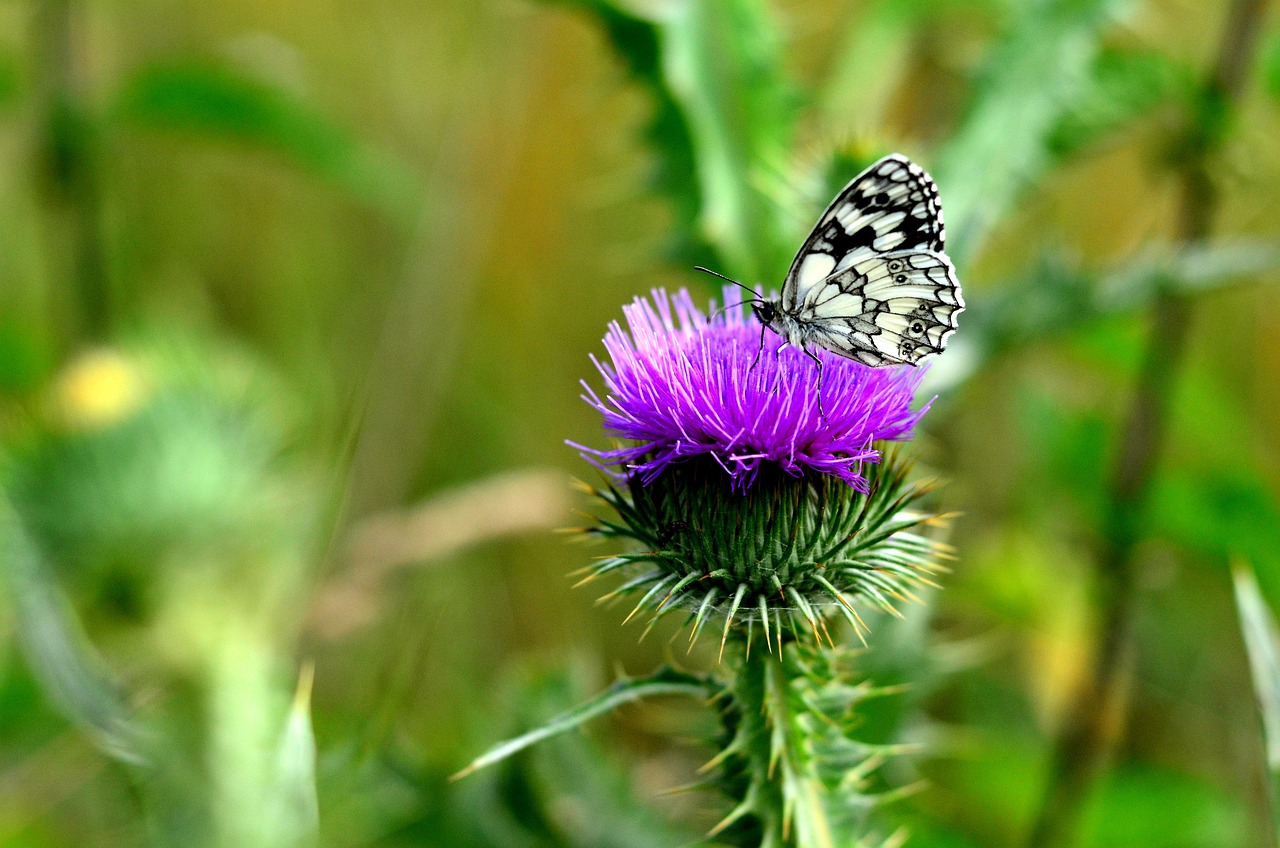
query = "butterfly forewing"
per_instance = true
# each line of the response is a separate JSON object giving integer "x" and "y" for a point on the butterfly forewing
{"x": 891, "y": 206}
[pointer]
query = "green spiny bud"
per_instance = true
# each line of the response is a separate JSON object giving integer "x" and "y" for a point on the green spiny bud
{"x": 784, "y": 555}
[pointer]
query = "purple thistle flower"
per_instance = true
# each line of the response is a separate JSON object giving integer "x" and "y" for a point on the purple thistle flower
{"x": 680, "y": 385}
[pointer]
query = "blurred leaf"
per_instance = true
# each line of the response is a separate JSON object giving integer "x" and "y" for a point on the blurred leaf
{"x": 724, "y": 120}
{"x": 664, "y": 681}
{"x": 583, "y": 785}
{"x": 1160, "y": 808}
{"x": 1124, "y": 85}
{"x": 1036, "y": 74}
{"x": 724, "y": 63}
{"x": 58, "y": 653}
{"x": 294, "y": 814}
{"x": 1055, "y": 298}
{"x": 637, "y": 41}
{"x": 215, "y": 102}
{"x": 572, "y": 792}
{"x": 867, "y": 66}
{"x": 1217, "y": 511}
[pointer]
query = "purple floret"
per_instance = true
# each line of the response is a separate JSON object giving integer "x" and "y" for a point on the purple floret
{"x": 680, "y": 386}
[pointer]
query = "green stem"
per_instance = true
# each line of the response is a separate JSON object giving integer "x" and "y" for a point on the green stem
{"x": 789, "y": 762}
{"x": 1095, "y": 717}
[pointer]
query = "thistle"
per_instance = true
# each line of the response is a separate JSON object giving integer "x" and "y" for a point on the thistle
{"x": 744, "y": 497}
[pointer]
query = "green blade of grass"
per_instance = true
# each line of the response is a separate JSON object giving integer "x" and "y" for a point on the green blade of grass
{"x": 1262, "y": 643}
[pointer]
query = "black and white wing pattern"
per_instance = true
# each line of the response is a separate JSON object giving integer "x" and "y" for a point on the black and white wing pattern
{"x": 872, "y": 282}
{"x": 892, "y": 205}
{"x": 885, "y": 309}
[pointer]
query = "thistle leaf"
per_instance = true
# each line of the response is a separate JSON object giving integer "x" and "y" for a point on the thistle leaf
{"x": 722, "y": 124}
{"x": 664, "y": 681}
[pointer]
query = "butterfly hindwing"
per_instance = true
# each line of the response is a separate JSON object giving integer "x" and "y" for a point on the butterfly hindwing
{"x": 891, "y": 206}
{"x": 888, "y": 308}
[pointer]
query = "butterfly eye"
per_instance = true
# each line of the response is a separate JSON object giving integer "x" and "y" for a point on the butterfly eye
{"x": 901, "y": 278}
{"x": 895, "y": 267}
{"x": 916, "y": 328}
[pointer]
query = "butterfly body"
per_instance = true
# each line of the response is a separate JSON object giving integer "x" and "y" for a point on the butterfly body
{"x": 872, "y": 282}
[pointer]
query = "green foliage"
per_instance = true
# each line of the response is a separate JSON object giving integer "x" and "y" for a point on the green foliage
{"x": 790, "y": 753}
{"x": 723, "y": 120}
{"x": 1031, "y": 81}
{"x": 164, "y": 553}
{"x": 1055, "y": 297}
{"x": 1124, "y": 86}
{"x": 209, "y": 102}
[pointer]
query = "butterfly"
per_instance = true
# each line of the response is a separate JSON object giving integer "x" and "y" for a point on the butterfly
{"x": 872, "y": 282}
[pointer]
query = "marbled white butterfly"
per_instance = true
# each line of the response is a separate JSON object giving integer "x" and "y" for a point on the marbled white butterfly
{"x": 871, "y": 282}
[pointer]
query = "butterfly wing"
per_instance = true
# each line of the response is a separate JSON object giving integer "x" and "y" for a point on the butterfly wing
{"x": 892, "y": 205}
{"x": 885, "y": 309}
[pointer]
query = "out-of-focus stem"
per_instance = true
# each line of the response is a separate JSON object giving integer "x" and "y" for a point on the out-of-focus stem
{"x": 69, "y": 165}
{"x": 1095, "y": 717}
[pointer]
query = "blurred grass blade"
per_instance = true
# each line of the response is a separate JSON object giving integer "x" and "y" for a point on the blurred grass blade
{"x": 723, "y": 124}
{"x": 57, "y": 651}
{"x": 218, "y": 103}
{"x": 1033, "y": 78}
{"x": 664, "y": 681}
{"x": 296, "y": 816}
{"x": 1262, "y": 643}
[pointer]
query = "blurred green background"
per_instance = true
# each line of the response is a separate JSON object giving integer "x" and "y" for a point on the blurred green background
{"x": 294, "y": 299}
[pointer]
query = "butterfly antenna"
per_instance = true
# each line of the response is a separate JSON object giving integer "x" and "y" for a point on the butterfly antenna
{"x": 729, "y": 306}
{"x": 755, "y": 295}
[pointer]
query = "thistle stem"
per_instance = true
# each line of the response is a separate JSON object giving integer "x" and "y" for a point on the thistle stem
{"x": 1095, "y": 717}
{"x": 774, "y": 764}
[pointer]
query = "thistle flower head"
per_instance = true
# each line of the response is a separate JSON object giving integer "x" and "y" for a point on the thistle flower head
{"x": 680, "y": 385}
{"x": 743, "y": 499}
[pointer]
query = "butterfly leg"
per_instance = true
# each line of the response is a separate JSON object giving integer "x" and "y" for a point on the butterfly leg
{"x": 809, "y": 353}
{"x": 759, "y": 351}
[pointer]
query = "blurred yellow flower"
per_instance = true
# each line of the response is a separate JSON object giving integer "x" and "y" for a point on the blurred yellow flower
{"x": 97, "y": 389}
